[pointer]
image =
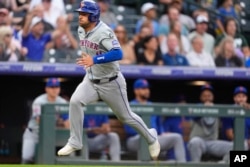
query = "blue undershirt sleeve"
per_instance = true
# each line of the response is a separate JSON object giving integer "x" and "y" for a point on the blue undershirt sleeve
{"x": 112, "y": 55}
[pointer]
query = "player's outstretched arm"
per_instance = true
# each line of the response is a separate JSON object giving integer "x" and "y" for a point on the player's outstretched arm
{"x": 87, "y": 61}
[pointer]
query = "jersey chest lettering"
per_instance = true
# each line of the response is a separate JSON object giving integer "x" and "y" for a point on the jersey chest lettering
{"x": 89, "y": 44}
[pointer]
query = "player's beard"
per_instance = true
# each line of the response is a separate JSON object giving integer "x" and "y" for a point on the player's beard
{"x": 85, "y": 25}
{"x": 144, "y": 97}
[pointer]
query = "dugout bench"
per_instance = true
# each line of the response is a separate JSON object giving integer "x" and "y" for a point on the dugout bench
{"x": 50, "y": 136}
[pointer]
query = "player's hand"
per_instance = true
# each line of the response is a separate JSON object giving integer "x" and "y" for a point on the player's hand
{"x": 86, "y": 60}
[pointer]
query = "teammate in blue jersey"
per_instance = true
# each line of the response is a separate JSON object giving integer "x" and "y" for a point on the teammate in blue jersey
{"x": 99, "y": 136}
{"x": 240, "y": 98}
{"x": 104, "y": 81}
{"x": 166, "y": 140}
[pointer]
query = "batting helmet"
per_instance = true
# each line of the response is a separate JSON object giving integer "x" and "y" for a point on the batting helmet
{"x": 91, "y": 7}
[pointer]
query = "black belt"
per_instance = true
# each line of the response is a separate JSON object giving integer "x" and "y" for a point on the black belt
{"x": 97, "y": 81}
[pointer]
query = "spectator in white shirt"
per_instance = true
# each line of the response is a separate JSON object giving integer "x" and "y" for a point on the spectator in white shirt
{"x": 201, "y": 29}
{"x": 198, "y": 57}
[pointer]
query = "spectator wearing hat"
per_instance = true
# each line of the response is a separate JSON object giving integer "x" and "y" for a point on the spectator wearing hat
{"x": 107, "y": 16}
{"x": 201, "y": 30}
{"x": 167, "y": 140}
{"x": 35, "y": 39}
{"x": 240, "y": 97}
{"x": 204, "y": 135}
{"x": 31, "y": 134}
{"x": 198, "y": 57}
{"x": 149, "y": 14}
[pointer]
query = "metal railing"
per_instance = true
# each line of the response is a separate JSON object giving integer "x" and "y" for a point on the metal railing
{"x": 50, "y": 136}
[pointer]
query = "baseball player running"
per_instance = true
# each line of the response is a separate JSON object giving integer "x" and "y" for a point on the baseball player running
{"x": 103, "y": 80}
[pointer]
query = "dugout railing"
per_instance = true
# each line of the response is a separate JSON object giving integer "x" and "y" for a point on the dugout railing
{"x": 50, "y": 136}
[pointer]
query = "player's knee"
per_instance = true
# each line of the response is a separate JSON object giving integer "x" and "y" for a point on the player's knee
{"x": 113, "y": 136}
{"x": 74, "y": 101}
{"x": 194, "y": 142}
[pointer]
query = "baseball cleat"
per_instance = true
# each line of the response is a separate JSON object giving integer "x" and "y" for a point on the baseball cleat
{"x": 154, "y": 148}
{"x": 66, "y": 150}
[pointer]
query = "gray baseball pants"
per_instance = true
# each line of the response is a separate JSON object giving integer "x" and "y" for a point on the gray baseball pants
{"x": 114, "y": 94}
{"x": 30, "y": 139}
{"x": 166, "y": 140}
{"x": 102, "y": 141}
{"x": 219, "y": 148}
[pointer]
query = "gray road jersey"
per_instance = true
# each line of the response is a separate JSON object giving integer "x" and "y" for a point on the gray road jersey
{"x": 98, "y": 41}
{"x": 36, "y": 109}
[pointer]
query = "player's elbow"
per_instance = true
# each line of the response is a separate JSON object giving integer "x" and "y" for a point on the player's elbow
{"x": 118, "y": 54}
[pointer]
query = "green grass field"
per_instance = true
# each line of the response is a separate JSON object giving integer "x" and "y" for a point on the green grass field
{"x": 57, "y": 166}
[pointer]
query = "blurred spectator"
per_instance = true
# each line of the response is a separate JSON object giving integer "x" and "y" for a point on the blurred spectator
{"x": 201, "y": 30}
{"x": 11, "y": 49}
{"x": 34, "y": 37}
{"x": 149, "y": 14}
{"x": 183, "y": 42}
{"x": 225, "y": 10}
{"x": 151, "y": 54}
{"x": 226, "y": 54}
{"x": 5, "y": 18}
{"x": 172, "y": 15}
{"x": 198, "y": 57}
{"x": 240, "y": 42}
{"x": 51, "y": 12}
{"x": 204, "y": 132}
{"x": 39, "y": 12}
{"x": 128, "y": 50}
{"x": 31, "y": 134}
{"x": 199, "y": 12}
{"x": 240, "y": 98}
{"x": 173, "y": 57}
{"x": 207, "y": 4}
{"x": 185, "y": 20}
{"x": 58, "y": 3}
{"x": 107, "y": 16}
{"x": 137, "y": 41}
{"x": 99, "y": 135}
{"x": 163, "y": 4}
{"x": 167, "y": 140}
{"x": 14, "y": 6}
{"x": 65, "y": 45}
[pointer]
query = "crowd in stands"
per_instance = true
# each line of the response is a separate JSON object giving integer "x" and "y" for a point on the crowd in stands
{"x": 165, "y": 33}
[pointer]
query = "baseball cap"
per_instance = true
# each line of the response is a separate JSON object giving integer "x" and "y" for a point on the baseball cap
{"x": 207, "y": 87}
{"x": 53, "y": 82}
{"x": 201, "y": 19}
{"x": 35, "y": 20}
{"x": 147, "y": 6}
{"x": 240, "y": 89}
{"x": 141, "y": 83}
